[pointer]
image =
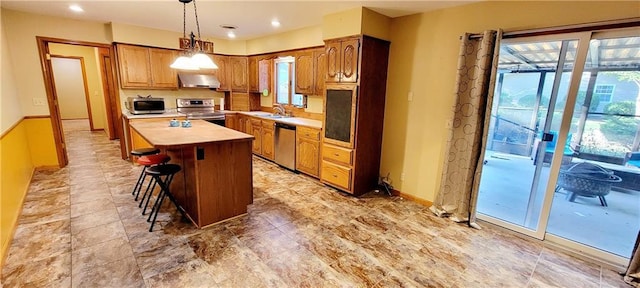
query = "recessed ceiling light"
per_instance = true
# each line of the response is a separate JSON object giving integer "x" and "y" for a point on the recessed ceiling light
{"x": 230, "y": 34}
{"x": 76, "y": 8}
{"x": 275, "y": 23}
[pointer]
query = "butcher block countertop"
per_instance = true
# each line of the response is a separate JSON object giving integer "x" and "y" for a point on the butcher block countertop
{"x": 159, "y": 133}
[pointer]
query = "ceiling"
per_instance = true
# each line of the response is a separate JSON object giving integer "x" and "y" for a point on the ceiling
{"x": 252, "y": 18}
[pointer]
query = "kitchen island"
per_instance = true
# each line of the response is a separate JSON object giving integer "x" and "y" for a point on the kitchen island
{"x": 215, "y": 182}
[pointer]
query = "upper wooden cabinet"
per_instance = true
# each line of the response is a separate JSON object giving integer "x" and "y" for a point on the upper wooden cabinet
{"x": 264, "y": 75}
{"x": 239, "y": 73}
{"x": 254, "y": 76}
{"x": 145, "y": 67}
{"x": 222, "y": 73}
{"x": 320, "y": 67}
{"x": 342, "y": 60}
{"x": 304, "y": 73}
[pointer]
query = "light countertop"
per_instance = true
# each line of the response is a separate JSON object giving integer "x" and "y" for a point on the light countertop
{"x": 171, "y": 113}
{"x": 298, "y": 121}
{"x": 158, "y": 133}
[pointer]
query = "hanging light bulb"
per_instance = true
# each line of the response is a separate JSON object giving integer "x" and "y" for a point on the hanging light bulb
{"x": 194, "y": 58}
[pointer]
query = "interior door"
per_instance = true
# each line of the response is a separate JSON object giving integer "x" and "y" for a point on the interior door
{"x": 534, "y": 87}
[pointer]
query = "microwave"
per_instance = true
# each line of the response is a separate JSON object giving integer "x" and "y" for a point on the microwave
{"x": 145, "y": 105}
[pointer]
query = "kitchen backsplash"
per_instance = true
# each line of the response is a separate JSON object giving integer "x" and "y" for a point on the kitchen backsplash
{"x": 170, "y": 96}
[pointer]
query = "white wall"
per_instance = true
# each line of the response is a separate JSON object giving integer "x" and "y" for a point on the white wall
{"x": 70, "y": 88}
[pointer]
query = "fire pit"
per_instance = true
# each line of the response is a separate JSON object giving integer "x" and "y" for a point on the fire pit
{"x": 587, "y": 180}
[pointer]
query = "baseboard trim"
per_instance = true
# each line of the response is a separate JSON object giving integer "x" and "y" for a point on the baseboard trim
{"x": 410, "y": 197}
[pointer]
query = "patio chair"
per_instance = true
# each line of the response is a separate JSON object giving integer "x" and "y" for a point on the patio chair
{"x": 634, "y": 159}
{"x": 551, "y": 146}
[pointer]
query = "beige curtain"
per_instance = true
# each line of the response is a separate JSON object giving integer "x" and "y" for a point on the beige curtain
{"x": 477, "y": 66}
{"x": 632, "y": 276}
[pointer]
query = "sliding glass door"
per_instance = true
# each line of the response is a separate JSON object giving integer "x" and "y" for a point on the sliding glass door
{"x": 559, "y": 99}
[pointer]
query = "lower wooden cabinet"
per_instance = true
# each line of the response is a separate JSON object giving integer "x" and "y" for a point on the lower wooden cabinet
{"x": 336, "y": 174}
{"x": 268, "y": 148}
{"x": 231, "y": 121}
{"x": 308, "y": 151}
{"x": 256, "y": 131}
{"x": 337, "y": 166}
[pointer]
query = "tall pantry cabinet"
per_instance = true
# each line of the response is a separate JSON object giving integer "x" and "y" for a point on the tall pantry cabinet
{"x": 354, "y": 112}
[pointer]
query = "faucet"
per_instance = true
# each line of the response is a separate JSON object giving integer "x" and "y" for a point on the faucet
{"x": 278, "y": 109}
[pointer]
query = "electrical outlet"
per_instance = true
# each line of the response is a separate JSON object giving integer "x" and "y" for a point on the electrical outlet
{"x": 410, "y": 96}
{"x": 39, "y": 101}
{"x": 402, "y": 176}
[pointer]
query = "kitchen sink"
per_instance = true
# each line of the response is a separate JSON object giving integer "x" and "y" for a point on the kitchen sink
{"x": 273, "y": 116}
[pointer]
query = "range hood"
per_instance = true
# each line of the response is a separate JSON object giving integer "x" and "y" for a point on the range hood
{"x": 191, "y": 80}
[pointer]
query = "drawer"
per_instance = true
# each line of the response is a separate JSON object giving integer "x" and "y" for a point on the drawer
{"x": 256, "y": 122}
{"x": 309, "y": 133}
{"x": 336, "y": 175}
{"x": 268, "y": 124}
{"x": 337, "y": 154}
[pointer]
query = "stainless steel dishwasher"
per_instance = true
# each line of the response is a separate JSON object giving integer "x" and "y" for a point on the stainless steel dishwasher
{"x": 285, "y": 145}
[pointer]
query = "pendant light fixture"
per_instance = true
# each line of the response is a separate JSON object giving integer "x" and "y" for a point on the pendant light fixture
{"x": 192, "y": 57}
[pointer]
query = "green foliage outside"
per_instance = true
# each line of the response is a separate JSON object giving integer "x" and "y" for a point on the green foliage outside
{"x": 620, "y": 128}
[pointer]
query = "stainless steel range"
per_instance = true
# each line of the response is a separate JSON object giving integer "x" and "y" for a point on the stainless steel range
{"x": 203, "y": 109}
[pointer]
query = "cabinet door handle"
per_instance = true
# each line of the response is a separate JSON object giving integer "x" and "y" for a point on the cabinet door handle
{"x": 335, "y": 176}
{"x": 336, "y": 154}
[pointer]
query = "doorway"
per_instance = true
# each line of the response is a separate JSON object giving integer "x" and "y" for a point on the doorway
{"x": 101, "y": 98}
{"x": 553, "y": 95}
{"x": 70, "y": 80}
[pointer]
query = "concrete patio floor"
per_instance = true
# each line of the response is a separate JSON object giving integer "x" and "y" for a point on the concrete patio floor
{"x": 504, "y": 194}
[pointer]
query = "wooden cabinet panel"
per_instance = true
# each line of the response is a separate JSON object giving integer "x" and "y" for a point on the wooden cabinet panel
{"x": 332, "y": 49}
{"x": 231, "y": 121}
{"x": 239, "y": 73}
{"x": 308, "y": 151}
{"x": 222, "y": 73}
{"x": 337, "y": 154}
{"x": 268, "y": 148}
{"x": 134, "y": 66}
{"x": 336, "y": 175}
{"x": 256, "y": 131}
{"x": 163, "y": 76}
{"x": 264, "y": 70}
{"x": 240, "y": 101}
{"x": 304, "y": 73}
{"x": 254, "y": 75}
{"x": 320, "y": 73}
{"x": 349, "y": 62}
{"x": 309, "y": 133}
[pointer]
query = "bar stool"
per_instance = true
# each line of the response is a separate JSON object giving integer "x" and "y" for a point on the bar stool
{"x": 148, "y": 161}
{"x": 167, "y": 170}
{"x": 139, "y": 153}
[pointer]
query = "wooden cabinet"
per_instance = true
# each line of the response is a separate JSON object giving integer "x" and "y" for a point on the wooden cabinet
{"x": 256, "y": 131}
{"x": 222, "y": 73}
{"x": 342, "y": 59}
{"x": 268, "y": 139}
{"x": 239, "y": 73}
{"x": 320, "y": 70}
{"x": 231, "y": 121}
{"x": 146, "y": 68}
{"x": 264, "y": 75}
{"x": 308, "y": 151}
{"x": 304, "y": 73}
{"x": 254, "y": 76}
{"x": 354, "y": 113}
{"x": 311, "y": 70}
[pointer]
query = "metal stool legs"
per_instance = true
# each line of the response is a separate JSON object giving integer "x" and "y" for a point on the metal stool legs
{"x": 156, "y": 172}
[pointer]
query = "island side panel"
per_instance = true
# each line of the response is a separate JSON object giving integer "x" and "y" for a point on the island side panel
{"x": 225, "y": 180}
{"x": 182, "y": 186}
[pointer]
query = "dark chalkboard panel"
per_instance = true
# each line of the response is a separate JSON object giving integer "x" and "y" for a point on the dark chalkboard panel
{"x": 338, "y": 115}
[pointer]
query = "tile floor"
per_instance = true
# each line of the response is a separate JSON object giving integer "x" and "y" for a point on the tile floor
{"x": 81, "y": 228}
